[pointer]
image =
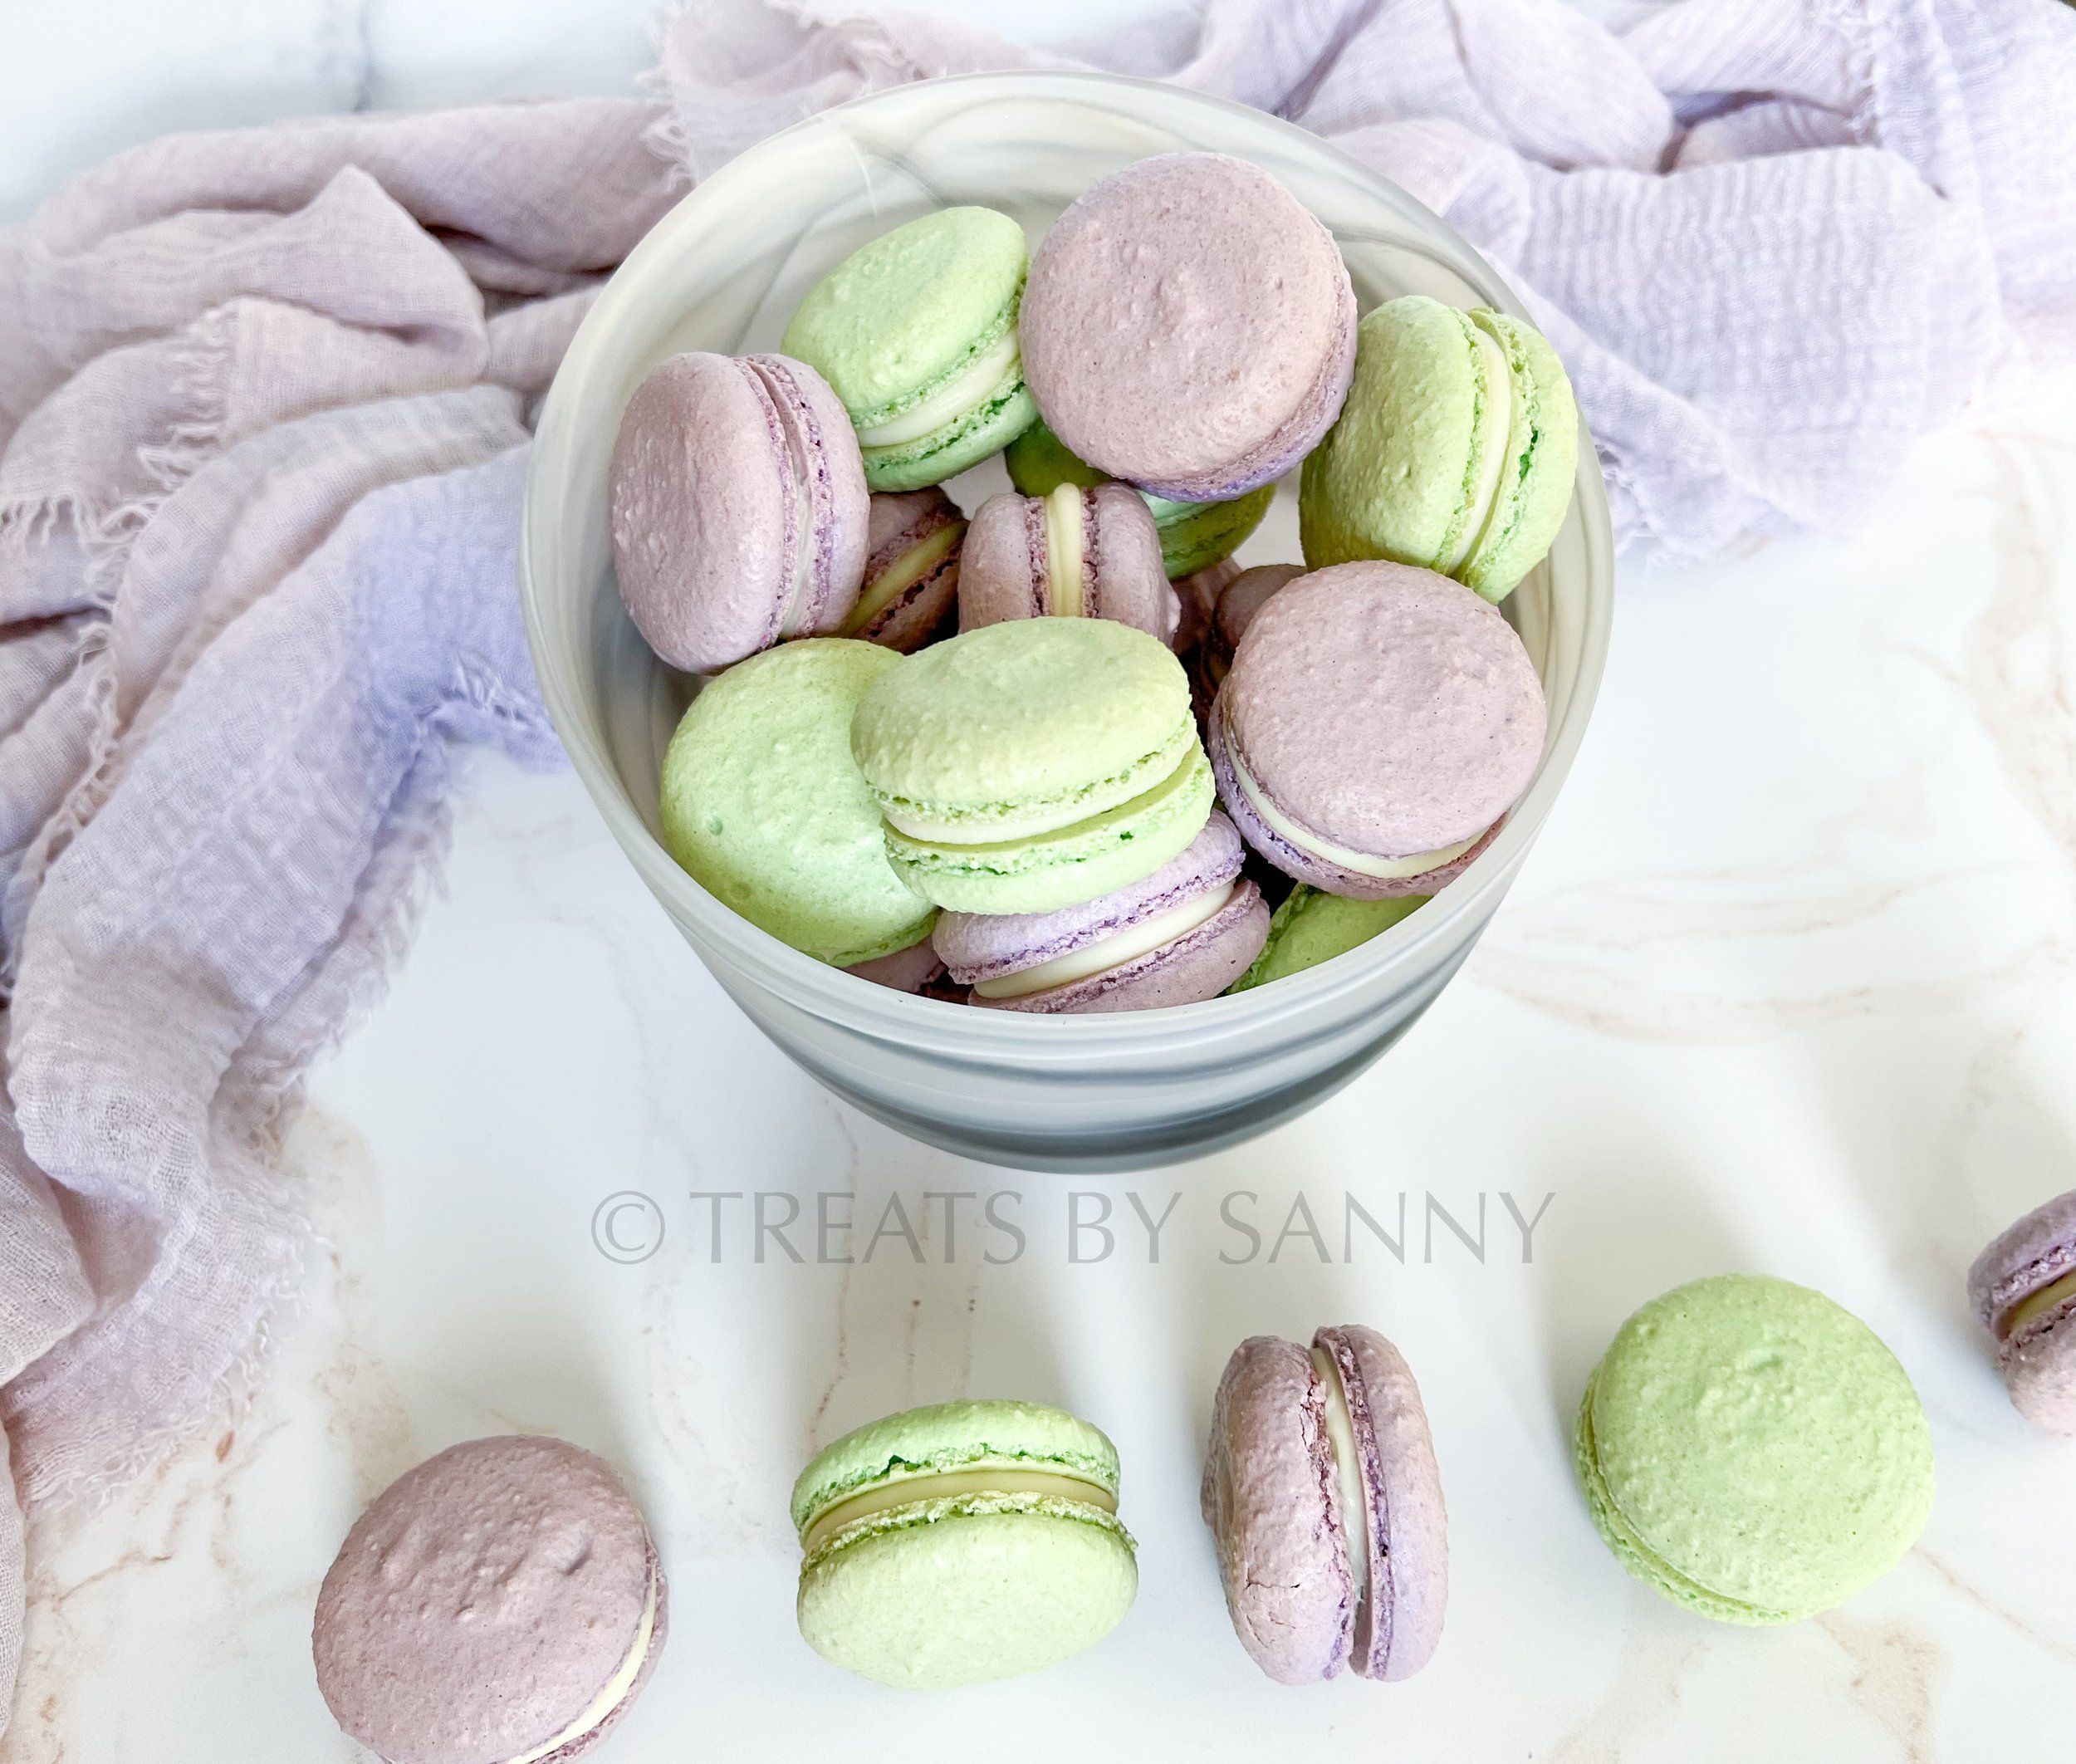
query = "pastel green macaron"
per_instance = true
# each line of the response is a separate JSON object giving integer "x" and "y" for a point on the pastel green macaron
{"x": 1455, "y": 452}
{"x": 1752, "y": 1451}
{"x": 917, "y": 334}
{"x": 1034, "y": 764}
{"x": 963, "y": 1542}
{"x": 1312, "y": 926}
{"x": 1194, "y": 536}
{"x": 765, "y": 808}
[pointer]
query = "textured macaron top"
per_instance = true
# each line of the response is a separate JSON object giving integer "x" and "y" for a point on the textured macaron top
{"x": 2030, "y": 1255}
{"x": 479, "y": 1606}
{"x": 949, "y": 1437}
{"x": 1025, "y": 726}
{"x": 912, "y": 309}
{"x": 1386, "y": 709}
{"x": 1183, "y": 317}
{"x": 1754, "y": 1449}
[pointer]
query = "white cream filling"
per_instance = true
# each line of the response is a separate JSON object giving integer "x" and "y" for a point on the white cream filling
{"x": 946, "y": 1485}
{"x": 616, "y": 1688}
{"x": 1383, "y": 869}
{"x": 1340, "y": 1432}
{"x": 1113, "y": 951}
{"x": 956, "y": 396}
{"x": 1498, "y": 377}
{"x": 1063, "y": 550}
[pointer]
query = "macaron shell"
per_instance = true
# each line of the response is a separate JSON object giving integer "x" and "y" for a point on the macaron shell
{"x": 960, "y": 1592}
{"x": 1388, "y": 710}
{"x": 659, "y": 1632}
{"x": 905, "y": 971}
{"x": 2039, "y": 1370}
{"x": 1194, "y": 536}
{"x": 1399, "y": 1624}
{"x": 1188, "y": 326}
{"x": 1198, "y": 965}
{"x": 1535, "y": 489}
{"x": 1311, "y": 926}
{"x": 1271, "y": 1497}
{"x": 2030, "y": 1253}
{"x": 534, "y": 1535}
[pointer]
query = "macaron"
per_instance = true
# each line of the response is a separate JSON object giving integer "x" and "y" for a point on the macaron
{"x": 1198, "y": 593}
{"x": 1194, "y": 536}
{"x": 765, "y": 810}
{"x": 1310, "y": 927}
{"x": 1321, "y": 1490}
{"x": 917, "y": 333}
{"x": 1028, "y": 766}
{"x": 1752, "y": 1451}
{"x": 962, "y": 1542}
{"x": 1177, "y": 937}
{"x": 915, "y": 969}
{"x": 1230, "y": 613}
{"x": 1457, "y": 449}
{"x": 912, "y": 570}
{"x": 501, "y": 1604}
{"x": 1073, "y": 553}
{"x": 1189, "y": 327}
{"x": 1377, "y": 723}
{"x": 2023, "y": 1288}
{"x": 738, "y": 507}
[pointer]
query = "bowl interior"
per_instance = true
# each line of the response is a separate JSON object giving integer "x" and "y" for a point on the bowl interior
{"x": 725, "y": 270}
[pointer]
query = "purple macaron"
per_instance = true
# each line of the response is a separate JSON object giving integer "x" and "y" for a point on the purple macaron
{"x": 1188, "y": 326}
{"x": 1321, "y": 1490}
{"x": 1073, "y": 553}
{"x": 501, "y": 1600}
{"x": 911, "y": 970}
{"x": 738, "y": 507}
{"x": 910, "y": 592}
{"x": 1179, "y": 936}
{"x": 2023, "y": 1288}
{"x": 1231, "y": 612}
{"x": 1377, "y": 723}
{"x": 1198, "y": 596}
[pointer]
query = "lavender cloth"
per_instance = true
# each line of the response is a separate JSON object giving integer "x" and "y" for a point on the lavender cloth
{"x": 261, "y": 399}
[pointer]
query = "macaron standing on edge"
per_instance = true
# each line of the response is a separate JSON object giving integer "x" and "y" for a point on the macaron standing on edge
{"x": 501, "y": 1601}
{"x": 1323, "y": 1498}
{"x": 917, "y": 331}
{"x": 738, "y": 507}
{"x": 1752, "y": 1451}
{"x": 1376, "y": 725}
{"x": 1072, "y": 553}
{"x": 1029, "y": 766}
{"x": 1177, "y": 937}
{"x": 962, "y": 1542}
{"x": 2023, "y": 1288}
{"x": 1189, "y": 327}
{"x": 912, "y": 570}
{"x": 1456, "y": 450}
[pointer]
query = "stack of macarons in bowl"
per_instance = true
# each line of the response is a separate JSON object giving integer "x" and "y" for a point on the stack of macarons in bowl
{"x": 988, "y": 668}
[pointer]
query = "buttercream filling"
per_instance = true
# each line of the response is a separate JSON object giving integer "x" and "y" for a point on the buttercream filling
{"x": 911, "y": 818}
{"x": 947, "y": 1485}
{"x": 1063, "y": 550}
{"x": 968, "y": 387}
{"x": 1362, "y": 863}
{"x": 2036, "y": 1304}
{"x": 1497, "y": 376}
{"x": 616, "y": 1688}
{"x": 1348, "y": 1464}
{"x": 920, "y": 560}
{"x": 1107, "y": 953}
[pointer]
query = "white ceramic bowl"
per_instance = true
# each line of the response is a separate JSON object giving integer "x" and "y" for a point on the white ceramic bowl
{"x": 724, "y": 271}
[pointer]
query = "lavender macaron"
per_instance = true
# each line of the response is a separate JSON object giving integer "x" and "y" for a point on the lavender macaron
{"x": 738, "y": 507}
{"x": 1074, "y": 552}
{"x": 2023, "y": 1288}
{"x": 500, "y": 1603}
{"x": 1378, "y": 723}
{"x": 1321, "y": 1490}
{"x": 1179, "y": 936}
{"x": 1188, "y": 326}
{"x": 912, "y": 570}
{"x": 1230, "y": 615}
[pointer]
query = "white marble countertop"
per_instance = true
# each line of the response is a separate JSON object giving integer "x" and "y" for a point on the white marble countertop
{"x": 1790, "y": 985}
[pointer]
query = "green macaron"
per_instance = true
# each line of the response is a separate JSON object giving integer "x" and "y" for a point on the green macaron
{"x": 1752, "y": 1450}
{"x": 1193, "y": 536}
{"x": 764, "y": 806}
{"x": 1311, "y": 927}
{"x": 1034, "y": 764}
{"x": 1455, "y": 450}
{"x": 917, "y": 334}
{"x": 962, "y": 1542}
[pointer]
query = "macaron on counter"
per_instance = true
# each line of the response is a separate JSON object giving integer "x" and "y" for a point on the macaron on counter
{"x": 1075, "y": 671}
{"x": 2022, "y": 1289}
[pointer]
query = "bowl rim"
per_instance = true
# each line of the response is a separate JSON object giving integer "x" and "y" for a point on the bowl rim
{"x": 1422, "y": 940}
